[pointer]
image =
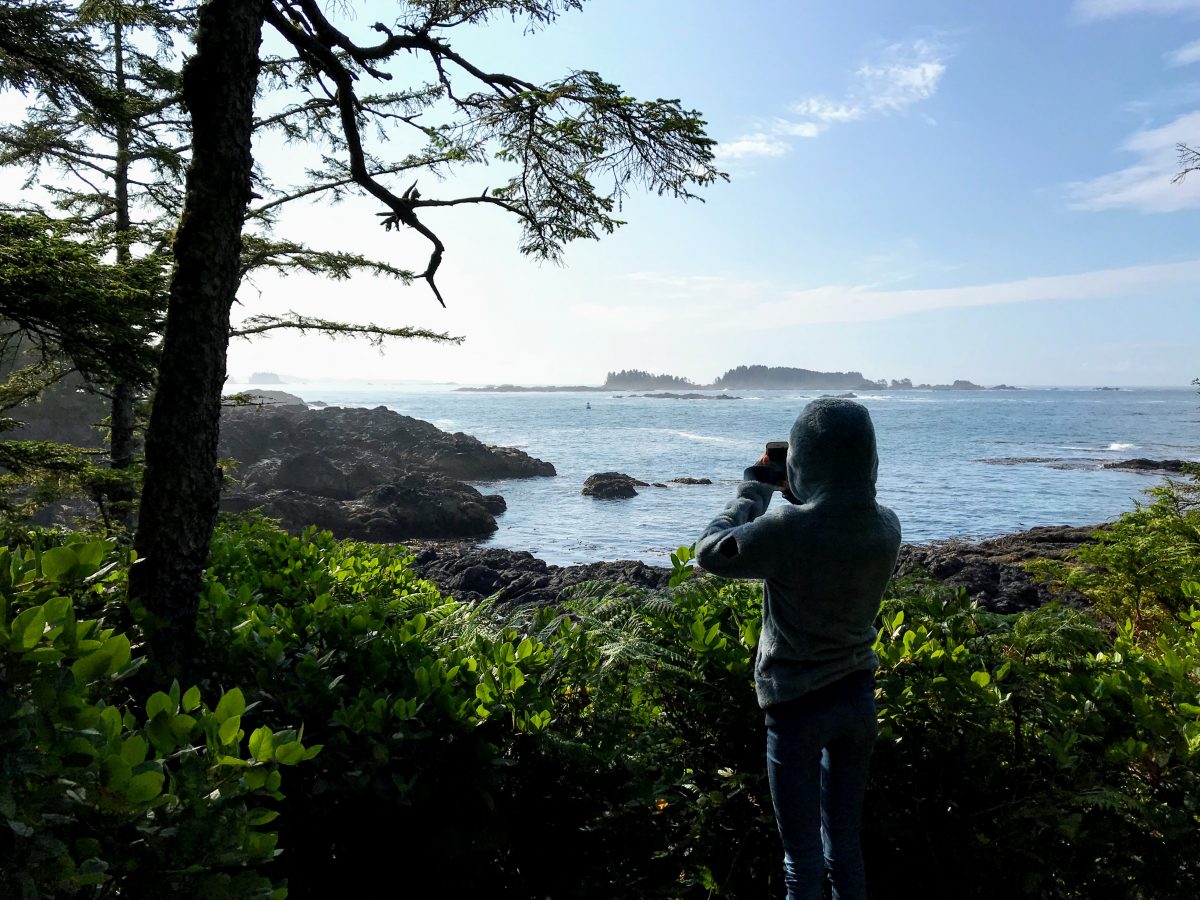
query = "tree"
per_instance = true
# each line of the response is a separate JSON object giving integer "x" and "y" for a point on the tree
{"x": 120, "y": 150}
{"x": 556, "y": 139}
{"x": 63, "y": 309}
{"x": 110, "y": 125}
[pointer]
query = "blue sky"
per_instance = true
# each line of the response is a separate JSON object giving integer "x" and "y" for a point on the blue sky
{"x": 930, "y": 189}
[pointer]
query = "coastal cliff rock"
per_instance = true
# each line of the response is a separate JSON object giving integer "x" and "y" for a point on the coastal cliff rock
{"x": 366, "y": 474}
{"x": 611, "y": 486}
{"x": 376, "y": 438}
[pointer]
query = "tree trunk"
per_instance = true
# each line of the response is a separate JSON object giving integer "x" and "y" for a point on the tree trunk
{"x": 182, "y": 482}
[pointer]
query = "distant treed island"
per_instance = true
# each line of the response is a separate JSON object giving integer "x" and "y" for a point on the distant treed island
{"x": 762, "y": 377}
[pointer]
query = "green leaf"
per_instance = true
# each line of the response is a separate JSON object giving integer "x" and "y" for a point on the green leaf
{"x": 983, "y": 679}
{"x": 119, "y": 652}
{"x": 262, "y": 744}
{"x": 181, "y": 727}
{"x": 91, "y": 554}
{"x": 261, "y": 816}
{"x": 58, "y": 562}
{"x": 289, "y": 754}
{"x": 145, "y": 787}
{"x": 191, "y": 698}
{"x": 232, "y": 703}
{"x": 56, "y": 609}
{"x": 524, "y": 648}
{"x": 116, "y": 773}
{"x": 88, "y": 668}
{"x": 134, "y": 750}
{"x": 158, "y": 703}
{"x": 27, "y": 628}
{"x": 229, "y": 729}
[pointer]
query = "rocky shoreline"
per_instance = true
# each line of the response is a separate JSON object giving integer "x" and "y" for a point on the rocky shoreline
{"x": 366, "y": 474}
{"x": 990, "y": 570}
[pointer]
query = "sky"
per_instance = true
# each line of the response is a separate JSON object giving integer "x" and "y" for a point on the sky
{"x": 929, "y": 189}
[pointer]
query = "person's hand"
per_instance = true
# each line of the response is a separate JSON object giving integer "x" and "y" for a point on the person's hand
{"x": 765, "y": 460}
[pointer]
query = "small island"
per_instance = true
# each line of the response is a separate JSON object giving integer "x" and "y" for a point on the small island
{"x": 745, "y": 378}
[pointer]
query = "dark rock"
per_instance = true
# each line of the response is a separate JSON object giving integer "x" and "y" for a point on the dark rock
{"x": 425, "y": 505}
{"x": 378, "y": 438}
{"x": 275, "y": 398}
{"x": 519, "y": 578}
{"x": 991, "y": 571}
{"x": 667, "y": 395}
{"x": 1149, "y": 465}
{"x": 368, "y": 474}
{"x": 611, "y": 486}
{"x": 312, "y": 473}
{"x": 494, "y": 504}
{"x": 691, "y": 481}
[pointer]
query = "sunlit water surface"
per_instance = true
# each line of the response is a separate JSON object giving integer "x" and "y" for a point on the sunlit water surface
{"x": 950, "y": 462}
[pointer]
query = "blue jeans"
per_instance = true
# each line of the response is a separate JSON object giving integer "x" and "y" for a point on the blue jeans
{"x": 818, "y": 756}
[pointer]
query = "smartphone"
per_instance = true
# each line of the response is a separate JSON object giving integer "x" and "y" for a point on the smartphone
{"x": 777, "y": 453}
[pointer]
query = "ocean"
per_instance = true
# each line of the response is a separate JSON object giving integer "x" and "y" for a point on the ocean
{"x": 967, "y": 464}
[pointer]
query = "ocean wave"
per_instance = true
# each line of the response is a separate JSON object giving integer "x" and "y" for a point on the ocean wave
{"x": 706, "y": 438}
{"x": 1115, "y": 446}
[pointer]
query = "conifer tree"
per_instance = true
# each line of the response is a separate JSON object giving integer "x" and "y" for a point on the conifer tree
{"x": 569, "y": 151}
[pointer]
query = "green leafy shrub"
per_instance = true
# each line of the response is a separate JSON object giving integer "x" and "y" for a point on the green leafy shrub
{"x": 606, "y": 746}
{"x": 102, "y": 792}
{"x": 1035, "y": 755}
{"x": 1133, "y": 570}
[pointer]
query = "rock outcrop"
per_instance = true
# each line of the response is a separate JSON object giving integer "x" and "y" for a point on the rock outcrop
{"x": 991, "y": 571}
{"x": 1149, "y": 465}
{"x": 611, "y": 486}
{"x": 518, "y": 578}
{"x": 367, "y": 474}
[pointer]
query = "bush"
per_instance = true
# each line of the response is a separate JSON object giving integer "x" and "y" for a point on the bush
{"x": 607, "y": 746}
{"x": 102, "y": 793}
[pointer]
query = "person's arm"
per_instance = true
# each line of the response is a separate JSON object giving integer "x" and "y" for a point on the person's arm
{"x": 735, "y": 545}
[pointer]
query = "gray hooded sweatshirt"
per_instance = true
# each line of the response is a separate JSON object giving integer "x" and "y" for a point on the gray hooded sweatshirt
{"x": 824, "y": 561}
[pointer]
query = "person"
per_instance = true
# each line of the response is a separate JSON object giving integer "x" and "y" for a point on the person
{"x": 825, "y": 560}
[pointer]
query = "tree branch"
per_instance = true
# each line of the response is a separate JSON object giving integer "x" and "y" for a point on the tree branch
{"x": 374, "y": 334}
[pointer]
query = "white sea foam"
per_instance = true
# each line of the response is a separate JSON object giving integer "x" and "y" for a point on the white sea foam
{"x": 444, "y": 424}
{"x": 706, "y": 438}
{"x": 1121, "y": 447}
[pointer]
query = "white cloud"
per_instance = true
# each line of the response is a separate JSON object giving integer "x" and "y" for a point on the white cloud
{"x": 827, "y": 110}
{"x": 1185, "y": 55}
{"x": 759, "y": 144}
{"x": 724, "y": 304}
{"x": 1110, "y": 9}
{"x": 1146, "y": 185}
{"x": 896, "y": 85}
{"x": 904, "y": 74}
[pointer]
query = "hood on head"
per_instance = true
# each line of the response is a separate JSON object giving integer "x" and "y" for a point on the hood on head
{"x": 831, "y": 449}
